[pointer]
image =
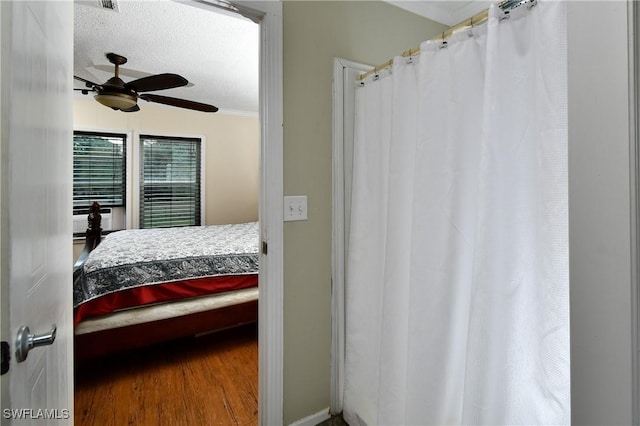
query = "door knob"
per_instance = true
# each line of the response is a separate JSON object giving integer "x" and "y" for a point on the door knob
{"x": 26, "y": 341}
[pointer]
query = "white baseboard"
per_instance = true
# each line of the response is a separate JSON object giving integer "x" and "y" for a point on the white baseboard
{"x": 313, "y": 419}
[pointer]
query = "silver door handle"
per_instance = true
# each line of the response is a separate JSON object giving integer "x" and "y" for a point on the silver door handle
{"x": 26, "y": 341}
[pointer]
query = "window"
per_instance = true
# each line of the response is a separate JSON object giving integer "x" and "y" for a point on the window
{"x": 99, "y": 169}
{"x": 170, "y": 171}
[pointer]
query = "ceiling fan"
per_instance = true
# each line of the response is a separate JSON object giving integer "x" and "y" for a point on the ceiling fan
{"x": 121, "y": 96}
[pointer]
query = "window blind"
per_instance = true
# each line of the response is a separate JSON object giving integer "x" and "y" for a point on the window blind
{"x": 99, "y": 172}
{"x": 169, "y": 181}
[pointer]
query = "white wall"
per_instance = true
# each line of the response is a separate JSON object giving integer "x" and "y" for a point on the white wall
{"x": 599, "y": 214}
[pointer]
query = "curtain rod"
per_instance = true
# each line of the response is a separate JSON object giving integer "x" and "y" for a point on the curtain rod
{"x": 476, "y": 19}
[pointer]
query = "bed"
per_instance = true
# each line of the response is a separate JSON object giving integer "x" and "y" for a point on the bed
{"x": 133, "y": 288}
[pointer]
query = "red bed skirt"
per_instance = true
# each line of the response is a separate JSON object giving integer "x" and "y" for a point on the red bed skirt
{"x": 163, "y": 292}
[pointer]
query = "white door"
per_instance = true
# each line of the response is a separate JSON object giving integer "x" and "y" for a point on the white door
{"x": 37, "y": 59}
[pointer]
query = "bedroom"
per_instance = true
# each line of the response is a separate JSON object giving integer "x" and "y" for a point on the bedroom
{"x": 230, "y": 151}
{"x": 225, "y": 163}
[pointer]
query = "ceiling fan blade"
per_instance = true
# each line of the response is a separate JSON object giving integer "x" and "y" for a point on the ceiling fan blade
{"x": 157, "y": 82}
{"x": 181, "y": 103}
{"x": 87, "y": 82}
{"x": 86, "y": 90}
{"x": 132, "y": 109}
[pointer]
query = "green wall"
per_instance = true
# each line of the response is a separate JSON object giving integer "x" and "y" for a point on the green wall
{"x": 314, "y": 33}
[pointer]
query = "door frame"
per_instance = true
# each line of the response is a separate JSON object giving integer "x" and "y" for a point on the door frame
{"x": 634, "y": 151}
{"x": 342, "y": 97}
{"x": 271, "y": 209}
{"x": 271, "y": 213}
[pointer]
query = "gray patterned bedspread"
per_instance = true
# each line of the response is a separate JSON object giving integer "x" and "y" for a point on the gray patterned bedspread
{"x": 139, "y": 257}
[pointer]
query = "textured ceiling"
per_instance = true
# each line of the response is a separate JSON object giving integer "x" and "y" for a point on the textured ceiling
{"x": 217, "y": 52}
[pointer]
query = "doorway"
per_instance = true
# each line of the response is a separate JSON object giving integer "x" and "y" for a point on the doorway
{"x": 270, "y": 324}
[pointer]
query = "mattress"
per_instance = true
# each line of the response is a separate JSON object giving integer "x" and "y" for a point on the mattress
{"x": 147, "y": 266}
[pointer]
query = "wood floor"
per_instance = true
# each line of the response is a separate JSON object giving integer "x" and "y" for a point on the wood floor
{"x": 211, "y": 380}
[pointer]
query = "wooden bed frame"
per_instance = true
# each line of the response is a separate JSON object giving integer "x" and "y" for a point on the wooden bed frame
{"x": 144, "y": 326}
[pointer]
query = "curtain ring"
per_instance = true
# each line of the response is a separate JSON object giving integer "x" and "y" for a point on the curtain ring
{"x": 470, "y": 33}
{"x": 444, "y": 42}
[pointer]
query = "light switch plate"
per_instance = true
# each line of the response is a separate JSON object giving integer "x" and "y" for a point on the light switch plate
{"x": 295, "y": 207}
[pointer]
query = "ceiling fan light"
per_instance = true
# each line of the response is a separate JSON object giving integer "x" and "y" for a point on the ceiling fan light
{"x": 116, "y": 100}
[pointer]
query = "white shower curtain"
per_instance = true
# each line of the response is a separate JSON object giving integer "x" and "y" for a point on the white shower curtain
{"x": 457, "y": 294}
